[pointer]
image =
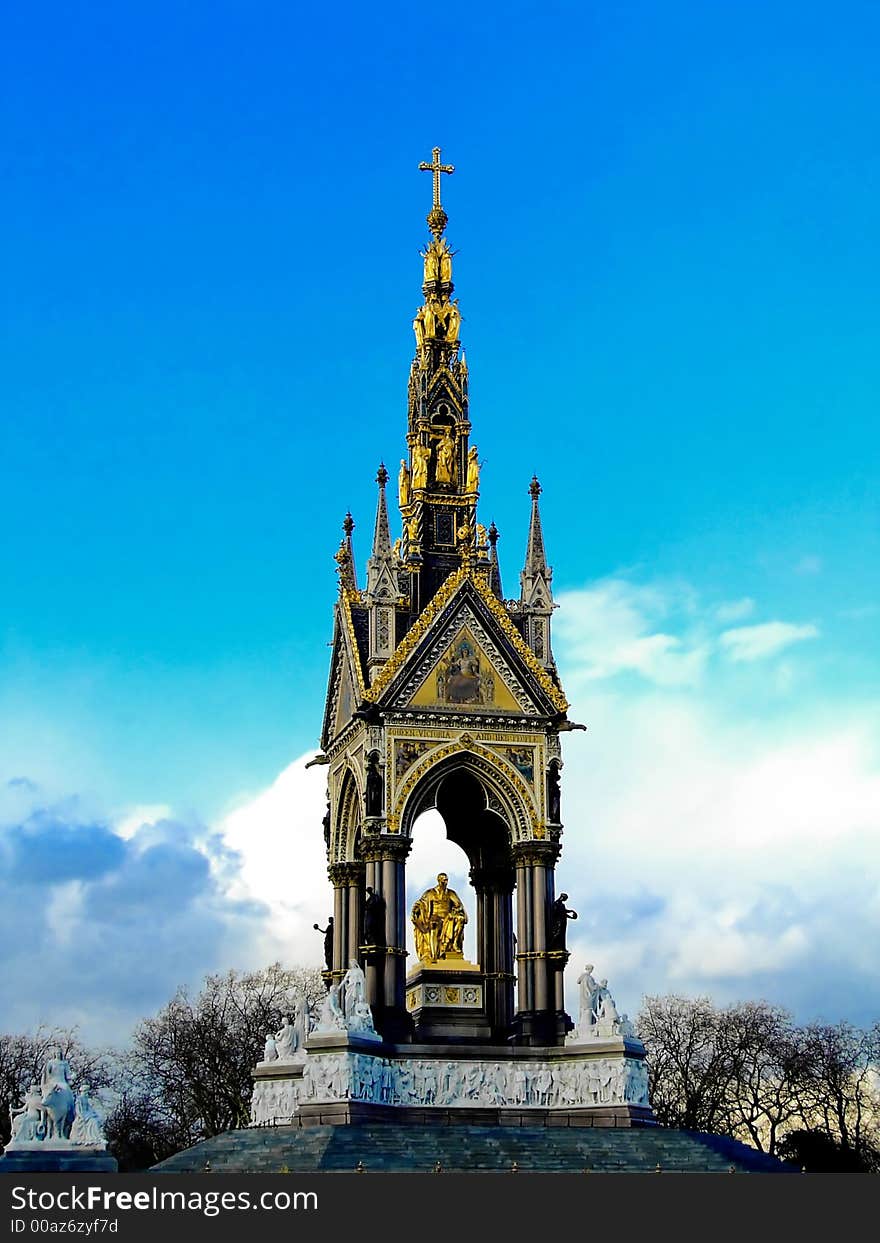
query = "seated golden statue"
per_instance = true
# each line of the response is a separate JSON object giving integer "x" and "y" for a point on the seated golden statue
{"x": 438, "y": 919}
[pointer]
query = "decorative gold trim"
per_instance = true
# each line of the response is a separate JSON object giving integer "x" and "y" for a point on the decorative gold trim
{"x": 479, "y": 577}
{"x": 465, "y": 744}
{"x": 415, "y": 633}
{"x": 346, "y": 600}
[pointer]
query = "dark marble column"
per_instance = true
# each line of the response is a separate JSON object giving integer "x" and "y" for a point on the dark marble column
{"x": 536, "y": 1021}
{"x": 386, "y": 871}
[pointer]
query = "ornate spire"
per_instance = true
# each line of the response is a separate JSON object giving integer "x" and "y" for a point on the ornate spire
{"x": 536, "y": 558}
{"x": 437, "y": 218}
{"x": 438, "y": 321}
{"x": 535, "y": 581}
{"x": 345, "y": 556}
{"x": 494, "y": 567}
{"x": 438, "y": 483}
{"x": 381, "y": 532}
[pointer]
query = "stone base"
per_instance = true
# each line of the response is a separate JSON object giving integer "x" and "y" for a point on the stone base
{"x": 353, "y": 1113}
{"x": 603, "y": 1084}
{"x": 387, "y": 1148}
{"x": 49, "y": 1158}
{"x": 447, "y": 1002}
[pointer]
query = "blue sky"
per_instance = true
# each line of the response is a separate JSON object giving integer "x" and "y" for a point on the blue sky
{"x": 668, "y": 256}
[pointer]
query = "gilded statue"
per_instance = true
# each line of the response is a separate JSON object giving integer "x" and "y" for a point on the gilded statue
{"x": 421, "y": 456}
{"x": 438, "y": 920}
{"x": 412, "y": 532}
{"x": 403, "y": 484}
{"x": 419, "y": 327}
{"x": 453, "y": 321}
{"x": 445, "y": 469}
{"x": 429, "y": 318}
{"x": 432, "y": 263}
{"x": 473, "y": 470}
{"x": 445, "y": 261}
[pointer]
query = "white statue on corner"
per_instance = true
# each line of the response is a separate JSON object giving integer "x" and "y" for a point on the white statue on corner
{"x": 52, "y": 1115}
{"x": 332, "y": 1018}
{"x": 598, "y": 1017}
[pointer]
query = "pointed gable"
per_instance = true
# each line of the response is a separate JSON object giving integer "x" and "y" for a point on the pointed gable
{"x": 345, "y": 687}
{"x": 464, "y": 653}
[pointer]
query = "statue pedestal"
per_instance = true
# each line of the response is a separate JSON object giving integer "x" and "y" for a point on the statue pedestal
{"x": 447, "y": 1002}
{"x": 56, "y": 1157}
{"x": 604, "y": 1084}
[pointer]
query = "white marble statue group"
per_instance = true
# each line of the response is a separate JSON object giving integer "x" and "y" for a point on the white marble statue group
{"x": 384, "y": 1081}
{"x": 598, "y": 1018}
{"x": 345, "y": 1009}
{"x": 51, "y": 1114}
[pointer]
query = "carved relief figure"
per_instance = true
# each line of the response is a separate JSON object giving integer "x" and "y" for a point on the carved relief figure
{"x": 438, "y": 919}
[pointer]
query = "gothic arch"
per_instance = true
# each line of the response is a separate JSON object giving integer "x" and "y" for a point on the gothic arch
{"x": 505, "y": 791}
{"x": 348, "y": 813}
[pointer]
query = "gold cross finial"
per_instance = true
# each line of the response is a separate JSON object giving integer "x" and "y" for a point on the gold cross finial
{"x": 436, "y": 168}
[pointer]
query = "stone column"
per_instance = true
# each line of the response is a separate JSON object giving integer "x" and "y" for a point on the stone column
{"x": 524, "y": 973}
{"x": 338, "y": 874}
{"x": 374, "y": 961}
{"x": 493, "y": 886}
{"x": 386, "y": 862}
{"x": 355, "y": 916}
{"x": 536, "y": 1017}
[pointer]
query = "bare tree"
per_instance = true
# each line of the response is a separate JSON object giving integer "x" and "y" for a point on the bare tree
{"x": 768, "y": 1064}
{"x": 841, "y": 1092}
{"x": 689, "y": 1062}
{"x": 188, "y": 1075}
{"x": 810, "y": 1094}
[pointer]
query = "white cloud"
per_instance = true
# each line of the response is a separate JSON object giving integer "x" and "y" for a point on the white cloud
{"x": 735, "y": 610}
{"x": 707, "y": 851}
{"x": 134, "y": 818}
{"x": 746, "y": 643}
{"x": 279, "y": 838}
{"x": 610, "y": 629}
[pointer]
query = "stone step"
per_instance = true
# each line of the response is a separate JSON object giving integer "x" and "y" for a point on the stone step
{"x": 399, "y": 1148}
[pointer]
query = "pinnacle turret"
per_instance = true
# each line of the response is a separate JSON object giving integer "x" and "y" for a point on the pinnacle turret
{"x": 345, "y": 556}
{"x": 381, "y": 531}
{"x": 536, "y": 558}
{"x": 536, "y": 595}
